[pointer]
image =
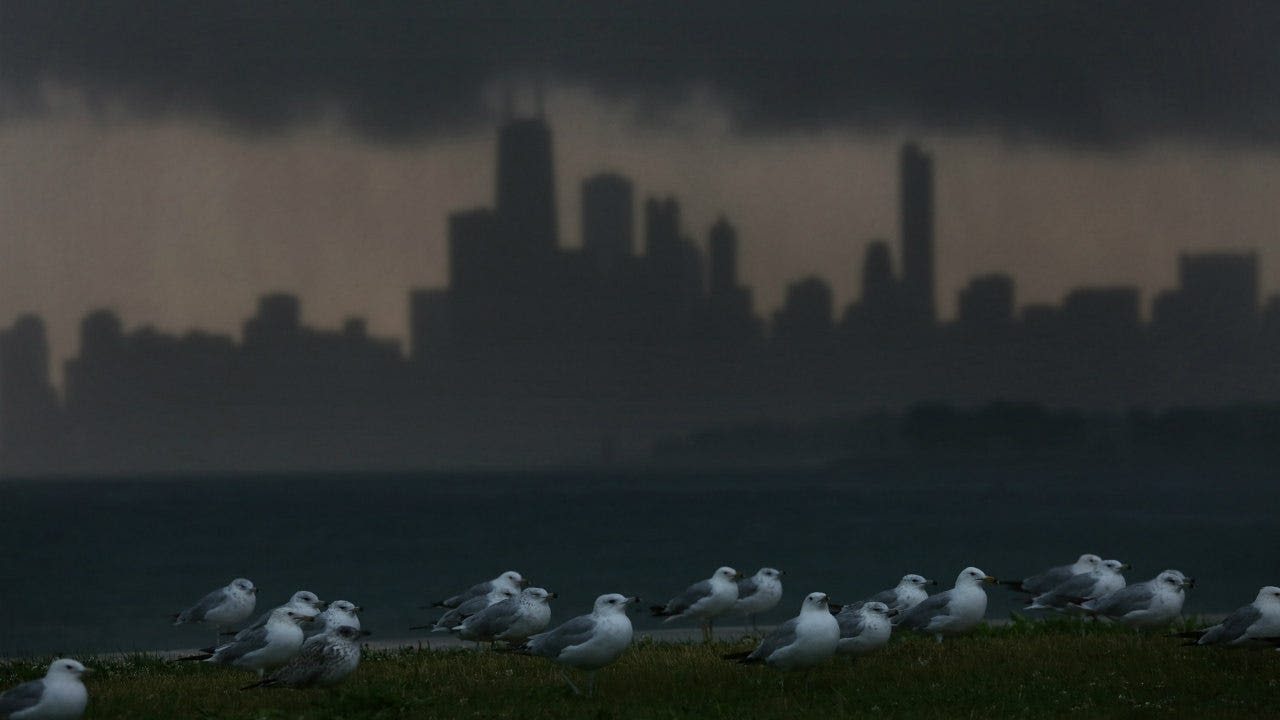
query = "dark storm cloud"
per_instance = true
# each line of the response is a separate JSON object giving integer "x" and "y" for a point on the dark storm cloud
{"x": 1085, "y": 71}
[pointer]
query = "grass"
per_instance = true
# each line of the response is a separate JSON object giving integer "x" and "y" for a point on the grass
{"x": 1022, "y": 669}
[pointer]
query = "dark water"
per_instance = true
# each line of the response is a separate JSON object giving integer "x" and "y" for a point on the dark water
{"x": 99, "y": 565}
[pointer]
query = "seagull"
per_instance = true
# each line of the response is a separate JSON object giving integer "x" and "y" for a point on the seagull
{"x": 703, "y": 600}
{"x": 1145, "y": 605}
{"x": 339, "y": 613}
{"x": 325, "y": 659}
{"x": 951, "y": 612}
{"x": 512, "y": 620}
{"x": 1054, "y": 576}
{"x": 759, "y": 593}
{"x": 1103, "y": 579}
{"x": 587, "y": 642}
{"x": 454, "y": 617}
{"x": 1254, "y": 624}
{"x": 261, "y": 648}
{"x": 59, "y": 695}
{"x": 510, "y": 580}
{"x": 864, "y": 629}
{"x": 908, "y": 593}
{"x": 803, "y": 641}
{"x": 223, "y": 608}
{"x": 303, "y": 602}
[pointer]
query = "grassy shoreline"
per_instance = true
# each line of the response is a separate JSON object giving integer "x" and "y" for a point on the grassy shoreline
{"x": 1021, "y": 669}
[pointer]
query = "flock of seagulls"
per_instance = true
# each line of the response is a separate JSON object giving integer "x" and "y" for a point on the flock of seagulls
{"x": 307, "y": 642}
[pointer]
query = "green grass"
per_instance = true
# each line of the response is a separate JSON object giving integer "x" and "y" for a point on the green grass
{"x": 1022, "y": 669}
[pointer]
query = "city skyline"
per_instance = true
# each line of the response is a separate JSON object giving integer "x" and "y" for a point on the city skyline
{"x": 177, "y": 169}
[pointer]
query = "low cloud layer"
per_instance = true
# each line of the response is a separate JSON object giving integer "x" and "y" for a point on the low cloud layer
{"x": 1092, "y": 72}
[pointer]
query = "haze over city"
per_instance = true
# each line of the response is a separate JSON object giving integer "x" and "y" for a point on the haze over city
{"x": 175, "y": 170}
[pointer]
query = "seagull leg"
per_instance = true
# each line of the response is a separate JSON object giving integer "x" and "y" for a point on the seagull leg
{"x": 565, "y": 676}
{"x": 591, "y": 683}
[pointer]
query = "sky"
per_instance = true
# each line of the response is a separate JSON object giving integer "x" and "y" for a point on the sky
{"x": 173, "y": 161}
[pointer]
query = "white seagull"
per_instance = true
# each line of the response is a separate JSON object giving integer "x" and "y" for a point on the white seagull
{"x": 803, "y": 641}
{"x": 338, "y": 614}
{"x": 224, "y": 608}
{"x": 1105, "y": 578}
{"x": 1049, "y": 579}
{"x": 512, "y": 620}
{"x": 261, "y": 648}
{"x": 703, "y": 600}
{"x": 509, "y": 580}
{"x": 59, "y": 695}
{"x": 954, "y": 611}
{"x": 454, "y": 616}
{"x": 303, "y": 602}
{"x": 1257, "y": 623}
{"x": 909, "y": 592}
{"x": 864, "y": 629}
{"x": 324, "y": 660}
{"x": 1145, "y": 605}
{"x": 759, "y": 593}
{"x": 587, "y": 642}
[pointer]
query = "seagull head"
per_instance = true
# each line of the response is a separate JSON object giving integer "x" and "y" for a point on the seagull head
{"x": 727, "y": 573}
{"x": 287, "y": 614}
{"x": 1269, "y": 595}
{"x": 243, "y": 585}
{"x": 344, "y": 607}
{"x": 1116, "y": 566}
{"x": 913, "y": 580}
{"x": 815, "y": 601}
{"x": 769, "y": 573}
{"x": 877, "y": 609}
{"x": 1175, "y": 580}
{"x": 513, "y": 578}
{"x": 65, "y": 668}
{"x": 306, "y": 599}
{"x": 1087, "y": 562}
{"x": 973, "y": 576}
{"x": 614, "y": 603}
{"x": 538, "y": 594}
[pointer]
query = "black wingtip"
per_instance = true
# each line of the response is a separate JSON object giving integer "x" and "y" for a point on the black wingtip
{"x": 1012, "y": 585}
{"x": 739, "y": 656}
{"x": 205, "y": 655}
{"x": 658, "y": 611}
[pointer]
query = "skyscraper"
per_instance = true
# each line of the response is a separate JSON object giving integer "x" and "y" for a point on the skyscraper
{"x": 917, "y": 235}
{"x": 608, "y": 219}
{"x": 526, "y": 190}
{"x": 723, "y": 249}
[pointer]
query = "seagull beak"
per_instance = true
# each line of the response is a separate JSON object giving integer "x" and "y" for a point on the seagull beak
{"x": 1189, "y": 583}
{"x": 738, "y": 576}
{"x": 989, "y": 579}
{"x": 632, "y": 600}
{"x": 523, "y": 582}
{"x": 365, "y": 633}
{"x": 933, "y": 582}
{"x": 551, "y": 595}
{"x": 1126, "y": 566}
{"x": 892, "y": 612}
{"x": 306, "y": 618}
{"x": 357, "y": 609}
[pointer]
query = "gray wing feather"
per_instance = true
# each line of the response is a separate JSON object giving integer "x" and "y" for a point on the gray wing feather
{"x": 888, "y": 597}
{"x": 246, "y": 641}
{"x": 1124, "y": 600}
{"x": 851, "y": 624}
{"x": 493, "y": 619}
{"x": 919, "y": 616}
{"x": 782, "y": 636}
{"x": 572, "y": 632}
{"x": 1048, "y": 579}
{"x": 21, "y": 698}
{"x": 481, "y": 588}
{"x": 307, "y": 666}
{"x": 747, "y": 587}
{"x": 1233, "y": 627}
{"x": 196, "y": 612}
{"x": 691, "y": 595}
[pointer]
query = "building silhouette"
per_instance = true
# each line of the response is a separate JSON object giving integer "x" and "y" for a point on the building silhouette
{"x": 537, "y": 353}
{"x": 916, "y": 177}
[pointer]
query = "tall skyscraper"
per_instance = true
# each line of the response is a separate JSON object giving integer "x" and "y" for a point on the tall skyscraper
{"x": 608, "y": 219}
{"x": 526, "y": 189}
{"x": 723, "y": 248}
{"x": 917, "y": 235}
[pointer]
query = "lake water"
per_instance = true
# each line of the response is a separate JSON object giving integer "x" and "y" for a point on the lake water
{"x": 100, "y": 565}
